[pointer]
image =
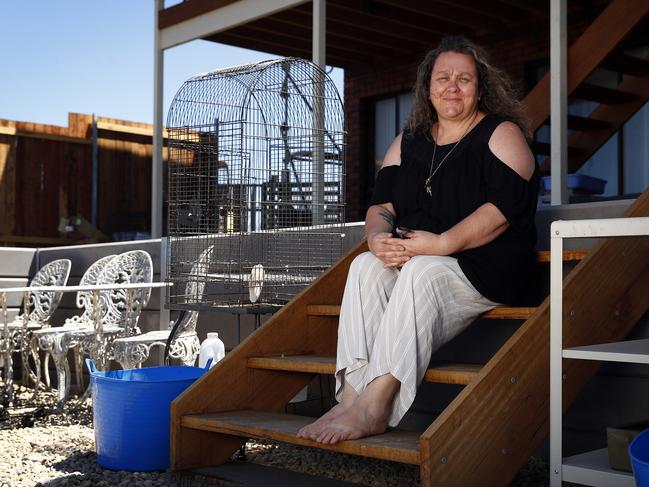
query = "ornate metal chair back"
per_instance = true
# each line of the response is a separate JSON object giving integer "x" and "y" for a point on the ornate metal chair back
{"x": 121, "y": 307}
{"x": 194, "y": 289}
{"x": 84, "y": 298}
{"x": 43, "y": 303}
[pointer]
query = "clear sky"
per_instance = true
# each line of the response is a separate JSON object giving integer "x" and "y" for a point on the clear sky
{"x": 95, "y": 56}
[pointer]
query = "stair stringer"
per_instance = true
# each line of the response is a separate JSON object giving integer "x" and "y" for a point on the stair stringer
{"x": 231, "y": 385}
{"x": 494, "y": 425}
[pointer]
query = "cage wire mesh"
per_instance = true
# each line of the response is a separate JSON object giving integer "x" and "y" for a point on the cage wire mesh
{"x": 256, "y": 171}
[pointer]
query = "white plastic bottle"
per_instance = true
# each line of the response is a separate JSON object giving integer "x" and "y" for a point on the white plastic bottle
{"x": 211, "y": 348}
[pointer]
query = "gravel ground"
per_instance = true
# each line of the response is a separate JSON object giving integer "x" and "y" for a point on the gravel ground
{"x": 40, "y": 448}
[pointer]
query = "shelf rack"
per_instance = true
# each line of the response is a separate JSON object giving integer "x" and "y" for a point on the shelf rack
{"x": 590, "y": 468}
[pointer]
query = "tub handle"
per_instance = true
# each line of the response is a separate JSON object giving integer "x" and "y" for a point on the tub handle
{"x": 91, "y": 366}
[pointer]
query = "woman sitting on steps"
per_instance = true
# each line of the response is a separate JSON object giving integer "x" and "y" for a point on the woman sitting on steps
{"x": 451, "y": 235}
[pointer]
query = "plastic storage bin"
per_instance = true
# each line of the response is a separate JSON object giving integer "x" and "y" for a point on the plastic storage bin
{"x": 579, "y": 183}
{"x": 639, "y": 453}
{"x": 131, "y": 414}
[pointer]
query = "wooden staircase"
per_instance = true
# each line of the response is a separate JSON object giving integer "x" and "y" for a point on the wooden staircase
{"x": 485, "y": 434}
{"x": 596, "y": 47}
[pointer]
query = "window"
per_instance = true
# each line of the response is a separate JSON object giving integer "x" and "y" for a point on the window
{"x": 390, "y": 115}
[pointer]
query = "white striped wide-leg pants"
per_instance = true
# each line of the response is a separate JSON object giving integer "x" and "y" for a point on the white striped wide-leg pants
{"x": 391, "y": 321}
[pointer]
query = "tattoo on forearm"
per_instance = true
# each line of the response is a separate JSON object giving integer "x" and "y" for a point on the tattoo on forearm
{"x": 387, "y": 216}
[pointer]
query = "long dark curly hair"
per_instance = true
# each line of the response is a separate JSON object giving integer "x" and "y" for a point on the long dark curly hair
{"x": 497, "y": 94}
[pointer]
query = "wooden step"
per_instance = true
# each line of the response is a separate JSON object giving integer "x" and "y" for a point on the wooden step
{"x": 543, "y": 148}
{"x": 397, "y": 446}
{"x": 323, "y": 310}
{"x": 583, "y": 124}
{"x": 568, "y": 255}
{"x": 499, "y": 313}
{"x": 601, "y": 94}
{"x": 623, "y": 63}
{"x": 450, "y": 373}
{"x": 586, "y": 124}
{"x": 446, "y": 373}
{"x": 509, "y": 313}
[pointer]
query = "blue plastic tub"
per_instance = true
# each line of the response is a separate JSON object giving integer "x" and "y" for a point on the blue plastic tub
{"x": 639, "y": 454}
{"x": 131, "y": 410}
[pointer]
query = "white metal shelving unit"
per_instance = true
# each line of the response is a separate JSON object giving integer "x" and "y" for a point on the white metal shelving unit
{"x": 589, "y": 468}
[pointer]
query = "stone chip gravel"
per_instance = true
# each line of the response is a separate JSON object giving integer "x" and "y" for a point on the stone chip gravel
{"x": 40, "y": 448}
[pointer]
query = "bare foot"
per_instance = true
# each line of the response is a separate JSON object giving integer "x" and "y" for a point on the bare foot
{"x": 368, "y": 415}
{"x": 313, "y": 430}
{"x": 356, "y": 422}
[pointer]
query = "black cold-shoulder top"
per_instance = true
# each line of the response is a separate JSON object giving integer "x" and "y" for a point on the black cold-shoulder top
{"x": 471, "y": 176}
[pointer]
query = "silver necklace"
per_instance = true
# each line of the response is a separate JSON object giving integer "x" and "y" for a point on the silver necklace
{"x": 428, "y": 183}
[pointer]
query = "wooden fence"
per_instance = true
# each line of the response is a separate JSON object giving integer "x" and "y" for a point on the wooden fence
{"x": 46, "y": 174}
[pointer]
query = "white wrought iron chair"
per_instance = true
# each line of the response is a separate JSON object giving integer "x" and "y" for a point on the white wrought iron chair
{"x": 132, "y": 351}
{"x": 16, "y": 335}
{"x": 119, "y": 310}
{"x": 48, "y": 339}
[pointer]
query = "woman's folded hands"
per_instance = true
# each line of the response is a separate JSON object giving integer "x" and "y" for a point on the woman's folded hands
{"x": 395, "y": 252}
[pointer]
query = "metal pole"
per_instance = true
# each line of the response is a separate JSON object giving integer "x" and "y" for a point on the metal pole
{"x": 21, "y": 341}
{"x": 164, "y": 311}
{"x": 319, "y": 59}
{"x": 8, "y": 393}
{"x": 556, "y": 356}
{"x": 156, "y": 168}
{"x": 558, "y": 101}
{"x": 319, "y": 32}
{"x": 95, "y": 172}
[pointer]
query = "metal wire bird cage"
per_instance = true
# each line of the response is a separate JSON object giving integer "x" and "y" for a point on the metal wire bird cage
{"x": 256, "y": 170}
